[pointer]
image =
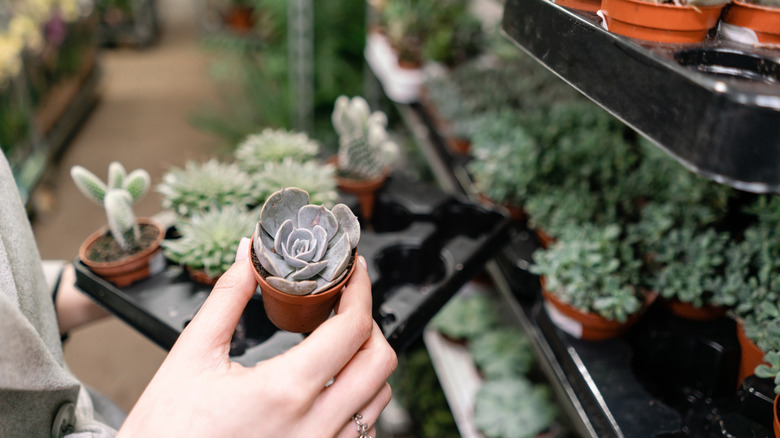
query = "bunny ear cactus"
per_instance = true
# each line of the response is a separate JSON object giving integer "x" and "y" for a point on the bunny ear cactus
{"x": 116, "y": 196}
{"x": 365, "y": 151}
{"x": 304, "y": 248}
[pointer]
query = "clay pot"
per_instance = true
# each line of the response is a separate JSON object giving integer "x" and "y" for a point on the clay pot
{"x": 201, "y": 276}
{"x": 691, "y": 312}
{"x": 589, "y": 326}
{"x": 364, "y": 190}
{"x": 581, "y": 5}
{"x": 763, "y": 20}
{"x": 664, "y": 23}
{"x": 240, "y": 19}
{"x": 132, "y": 268}
{"x": 297, "y": 313}
{"x": 751, "y": 356}
{"x": 545, "y": 240}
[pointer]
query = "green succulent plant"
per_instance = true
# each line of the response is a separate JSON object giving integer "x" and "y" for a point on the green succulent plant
{"x": 365, "y": 150}
{"x": 117, "y": 196}
{"x": 274, "y": 145}
{"x": 593, "y": 269}
{"x": 771, "y": 371}
{"x": 304, "y": 248}
{"x": 502, "y": 353}
{"x": 513, "y": 408}
{"x": 318, "y": 179}
{"x": 465, "y": 317}
{"x": 199, "y": 187}
{"x": 208, "y": 241}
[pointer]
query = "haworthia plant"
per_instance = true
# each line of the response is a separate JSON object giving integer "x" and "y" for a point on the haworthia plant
{"x": 305, "y": 248}
{"x": 116, "y": 196}
{"x": 274, "y": 145}
{"x": 365, "y": 150}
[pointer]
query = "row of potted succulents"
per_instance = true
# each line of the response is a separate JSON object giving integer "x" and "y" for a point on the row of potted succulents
{"x": 303, "y": 243}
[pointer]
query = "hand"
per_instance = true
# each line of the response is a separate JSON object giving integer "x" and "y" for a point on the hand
{"x": 198, "y": 391}
{"x": 74, "y": 309}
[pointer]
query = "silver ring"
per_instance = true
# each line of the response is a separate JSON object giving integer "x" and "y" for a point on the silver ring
{"x": 361, "y": 428}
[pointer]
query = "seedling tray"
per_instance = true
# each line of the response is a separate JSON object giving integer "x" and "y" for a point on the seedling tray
{"x": 420, "y": 248}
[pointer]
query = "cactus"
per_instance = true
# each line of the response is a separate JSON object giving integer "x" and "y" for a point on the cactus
{"x": 305, "y": 248}
{"x": 274, "y": 145}
{"x": 365, "y": 151}
{"x": 116, "y": 196}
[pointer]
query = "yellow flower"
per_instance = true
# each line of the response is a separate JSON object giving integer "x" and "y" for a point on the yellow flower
{"x": 10, "y": 57}
{"x": 28, "y": 31}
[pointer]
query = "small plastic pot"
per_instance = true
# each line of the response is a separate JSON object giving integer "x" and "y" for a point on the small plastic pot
{"x": 666, "y": 23}
{"x": 751, "y": 356}
{"x": 693, "y": 313}
{"x": 297, "y": 313}
{"x": 764, "y": 21}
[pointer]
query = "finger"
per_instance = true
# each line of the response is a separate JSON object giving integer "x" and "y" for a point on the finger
{"x": 216, "y": 321}
{"x": 328, "y": 348}
{"x": 361, "y": 378}
{"x": 369, "y": 413}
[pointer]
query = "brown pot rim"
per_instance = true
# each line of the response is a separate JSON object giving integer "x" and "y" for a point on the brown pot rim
{"x": 689, "y": 311}
{"x": 764, "y": 20}
{"x": 660, "y": 22}
{"x": 90, "y": 240}
{"x": 199, "y": 275}
{"x": 354, "y": 185}
{"x": 582, "y": 5}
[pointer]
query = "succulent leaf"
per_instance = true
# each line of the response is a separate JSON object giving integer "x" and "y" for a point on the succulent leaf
{"x": 348, "y": 223}
{"x": 292, "y": 287}
{"x": 338, "y": 258}
{"x": 89, "y": 184}
{"x": 312, "y": 215}
{"x": 137, "y": 183}
{"x": 116, "y": 175}
{"x": 121, "y": 220}
{"x": 281, "y": 206}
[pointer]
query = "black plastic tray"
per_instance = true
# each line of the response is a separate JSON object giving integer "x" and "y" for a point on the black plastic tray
{"x": 714, "y": 106}
{"x": 421, "y": 247}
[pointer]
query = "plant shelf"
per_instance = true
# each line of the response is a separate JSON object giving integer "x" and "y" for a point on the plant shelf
{"x": 420, "y": 248}
{"x": 714, "y": 106}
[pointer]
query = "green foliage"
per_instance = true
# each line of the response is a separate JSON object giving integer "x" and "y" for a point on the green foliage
{"x": 116, "y": 196}
{"x": 199, "y": 187}
{"x": 313, "y": 176}
{"x": 513, "y": 408}
{"x": 466, "y": 317}
{"x": 208, "y": 241}
{"x": 502, "y": 353}
{"x": 771, "y": 371}
{"x": 593, "y": 269}
{"x": 274, "y": 145}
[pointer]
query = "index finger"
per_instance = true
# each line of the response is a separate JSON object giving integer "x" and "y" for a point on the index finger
{"x": 329, "y": 347}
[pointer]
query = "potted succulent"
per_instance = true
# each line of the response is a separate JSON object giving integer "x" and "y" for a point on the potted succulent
{"x": 302, "y": 255}
{"x": 274, "y": 145}
{"x": 755, "y": 21}
{"x": 770, "y": 369}
{"x": 666, "y": 21}
{"x": 128, "y": 249}
{"x": 316, "y": 178}
{"x": 466, "y": 317}
{"x": 200, "y": 186}
{"x": 207, "y": 242}
{"x": 502, "y": 353}
{"x": 591, "y": 280}
{"x": 365, "y": 152}
{"x": 513, "y": 408}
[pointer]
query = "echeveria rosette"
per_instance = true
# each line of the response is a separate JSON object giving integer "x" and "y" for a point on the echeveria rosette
{"x": 304, "y": 248}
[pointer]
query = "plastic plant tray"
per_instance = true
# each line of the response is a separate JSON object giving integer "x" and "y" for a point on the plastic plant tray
{"x": 421, "y": 247}
{"x": 714, "y": 106}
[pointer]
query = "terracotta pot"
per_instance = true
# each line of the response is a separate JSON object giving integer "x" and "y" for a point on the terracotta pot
{"x": 458, "y": 145}
{"x": 751, "y": 356}
{"x": 664, "y": 23}
{"x": 581, "y": 5}
{"x": 516, "y": 212}
{"x": 297, "y": 313}
{"x": 545, "y": 240}
{"x": 590, "y": 326}
{"x": 132, "y": 268}
{"x": 691, "y": 312}
{"x": 364, "y": 190}
{"x": 240, "y": 18}
{"x": 776, "y": 421}
{"x": 201, "y": 276}
{"x": 763, "y": 20}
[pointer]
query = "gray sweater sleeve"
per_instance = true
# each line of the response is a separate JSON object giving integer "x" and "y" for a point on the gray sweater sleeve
{"x": 35, "y": 385}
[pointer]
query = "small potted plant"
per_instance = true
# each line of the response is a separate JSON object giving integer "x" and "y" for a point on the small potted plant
{"x": 316, "y": 178}
{"x": 591, "y": 280}
{"x": 755, "y": 21}
{"x": 199, "y": 187}
{"x": 770, "y": 369}
{"x": 274, "y": 145}
{"x": 302, "y": 254}
{"x": 207, "y": 242}
{"x": 513, "y": 408}
{"x": 128, "y": 249}
{"x": 365, "y": 152}
{"x": 666, "y": 21}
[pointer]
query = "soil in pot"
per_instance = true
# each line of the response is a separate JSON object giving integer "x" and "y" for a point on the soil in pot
{"x": 297, "y": 313}
{"x": 666, "y": 23}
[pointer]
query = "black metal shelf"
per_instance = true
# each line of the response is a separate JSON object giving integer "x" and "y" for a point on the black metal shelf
{"x": 714, "y": 106}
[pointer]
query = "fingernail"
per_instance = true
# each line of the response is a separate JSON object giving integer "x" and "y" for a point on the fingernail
{"x": 242, "y": 253}
{"x": 362, "y": 262}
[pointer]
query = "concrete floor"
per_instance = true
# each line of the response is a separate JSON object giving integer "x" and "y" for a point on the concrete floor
{"x": 140, "y": 121}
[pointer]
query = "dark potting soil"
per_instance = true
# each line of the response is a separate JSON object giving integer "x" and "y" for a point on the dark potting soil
{"x": 105, "y": 248}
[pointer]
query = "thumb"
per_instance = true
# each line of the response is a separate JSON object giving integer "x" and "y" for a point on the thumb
{"x": 213, "y": 326}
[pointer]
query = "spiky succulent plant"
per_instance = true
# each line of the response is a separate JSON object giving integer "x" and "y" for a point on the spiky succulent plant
{"x": 208, "y": 241}
{"x": 304, "y": 248}
{"x": 274, "y": 145}
{"x": 318, "y": 179}
{"x": 201, "y": 186}
{"x": 365, "y": 151}
{"x": 117, "y": 197}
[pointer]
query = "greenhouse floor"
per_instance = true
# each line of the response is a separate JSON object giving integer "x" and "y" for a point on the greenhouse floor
{"x": 141, "y": 120}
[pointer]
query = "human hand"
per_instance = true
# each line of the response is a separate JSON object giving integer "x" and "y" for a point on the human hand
{"x": 198, "y": 391}
{"x": 74, "y": 308}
